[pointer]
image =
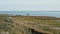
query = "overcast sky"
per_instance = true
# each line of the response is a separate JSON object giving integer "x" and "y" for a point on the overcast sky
{"x": 29, "y": 5}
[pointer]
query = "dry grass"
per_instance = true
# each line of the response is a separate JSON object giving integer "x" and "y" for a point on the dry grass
{"x": 50, "y": 21}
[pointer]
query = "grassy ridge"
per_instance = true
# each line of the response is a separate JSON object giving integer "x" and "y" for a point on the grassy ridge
{"x": 44, "y": 20}
{"x": 9, "y": 25}
{"x": 52, "y": 21}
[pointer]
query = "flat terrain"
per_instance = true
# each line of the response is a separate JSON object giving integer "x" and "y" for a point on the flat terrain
{"x": 40, "y": 23}
{"x": 29, "y": 24}
{"x": 40, "y": 20}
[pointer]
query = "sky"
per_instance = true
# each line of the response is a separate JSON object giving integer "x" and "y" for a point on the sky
{"x": 29, "y": 5}
{"x": 33, "y": 13}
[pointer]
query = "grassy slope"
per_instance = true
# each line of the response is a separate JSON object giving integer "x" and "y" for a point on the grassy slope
{"x": 42, "y": 20}
{"x": 50, "y": 21}
{"x": 8, "y": 25}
